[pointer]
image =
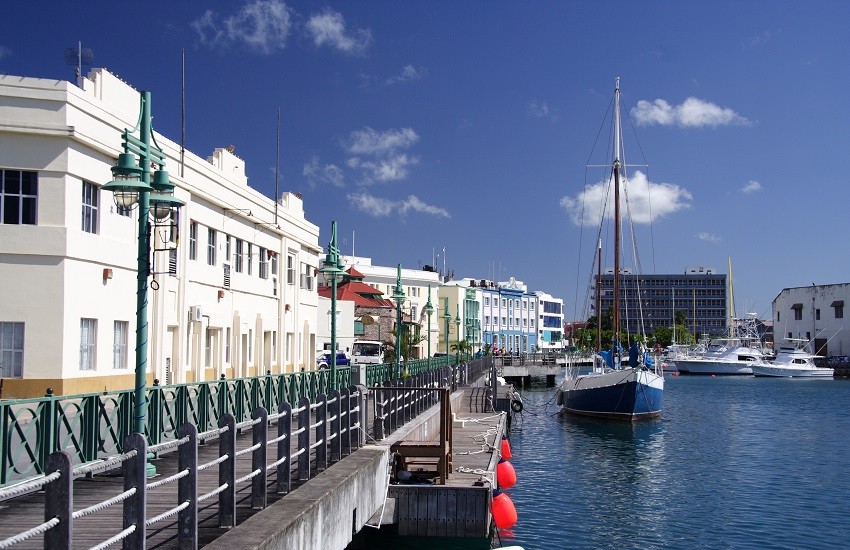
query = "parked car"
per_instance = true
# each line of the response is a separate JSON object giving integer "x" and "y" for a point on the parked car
{"x": 324, "y": 360}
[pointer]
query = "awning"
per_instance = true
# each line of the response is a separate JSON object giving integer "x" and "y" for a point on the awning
{"x": 797, "y": 306}
{"x": 837, "y": 303}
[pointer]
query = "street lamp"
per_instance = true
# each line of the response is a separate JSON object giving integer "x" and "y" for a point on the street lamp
{"x": 447, "y": 317}
{"x": 132, "y": 185}
{"x": 429, "y": 309}
{"x": 332, "y": 271}
{"x": 398, "y": 298}
{"x": 457, "y": 330}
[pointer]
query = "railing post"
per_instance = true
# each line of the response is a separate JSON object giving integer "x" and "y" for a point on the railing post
{"x": 258, "y": 458}
{"x": 268, "y": 399}
{"x": 304, "y": 439}
{"x": 221, "y": 395}
{"x": 89, "y": 424}
{"x": 59, "y": 502}
{"x": 154, "y": 418}
{"x": 227, "y": 472}
{"x": 187, "y": 487}
{"x": 47, "y": 433}
{"x": 344, "y": 425}
{"x": 362, "y": 400}
{"x": 284, "y": 448}
{"x": 4, "y": 442}
{"x": 334, "y": 412}
{"x": 322, "y": 432}
{"x": 135, "y": 475}
{"x": 181, "y": 405}
{"x": 378, "y": 424}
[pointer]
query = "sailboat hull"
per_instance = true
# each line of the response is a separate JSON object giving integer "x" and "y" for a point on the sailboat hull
{"x": 628, "y": 394}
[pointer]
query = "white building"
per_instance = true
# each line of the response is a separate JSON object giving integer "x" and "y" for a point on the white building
{"x": 814, "y": 312}
{"x": 550, "y": 322}
{"x": 233, "y": 289}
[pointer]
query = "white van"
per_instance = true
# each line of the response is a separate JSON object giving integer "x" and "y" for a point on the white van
{"x": 367, "y": 352}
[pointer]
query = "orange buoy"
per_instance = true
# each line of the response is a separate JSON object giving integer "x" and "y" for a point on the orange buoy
{"x": 506, "y": 449}
{"x": 505, "y": 474}
{"x": 503, "y": 510}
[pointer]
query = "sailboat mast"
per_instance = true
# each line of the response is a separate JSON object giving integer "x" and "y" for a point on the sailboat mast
{"x": 598, "y": 299}
{"x": 617, "y": 228}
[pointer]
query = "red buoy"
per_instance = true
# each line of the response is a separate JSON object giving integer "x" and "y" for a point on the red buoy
{"x": 503, "y": 510}
{"x": 505, "y": 474}
{"x": 506, "y": 448}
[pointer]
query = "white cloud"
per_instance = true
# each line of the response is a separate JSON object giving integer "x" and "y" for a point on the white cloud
{"x": 693, "y": 113}
{"x": 328, "y": 28}
{"x": 758, "y": 40}
{"x": 538, "y": 109}
{"x": 586, "y": 208}
{"x": 392, "y": 168}
{"x": 380, "y": 207}
{"x": 318, "y": 174}
{"x": 751, "y": 187}
{"x": 5, "y": 52}
{"x": 407, "y": 74}
{"x": 371, "y": 142}
{"x": 262, "y": 25}
{"x": 709, "y": 237}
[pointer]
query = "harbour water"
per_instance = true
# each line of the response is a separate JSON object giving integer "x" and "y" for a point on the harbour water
{"x": 733, "y": 462}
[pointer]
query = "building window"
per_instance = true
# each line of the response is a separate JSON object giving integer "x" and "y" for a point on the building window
{"x": 817, "y": 314}
{"x": 486, "y": 301}
{"x": 124, "y": 211}
{"x": 90, "y": 202}
{"x": 208, "y": 348}
{"x": 193, "y": 240}
{"x": 119, "y": 345}
{"x": 11, "y": 350}
{"x": 777, "y": 316}
{"x": 18, "y": 197}
{"x": 838, "y": 305}
{"x": 238, "y": 258}
{"x": 227, "y": 248}
{"x": 250, "y": 259}
{"x": 306, "y": 276}
{"x": 798, "y": 312}
{"x": 264, "y": 264}
{"x": 88, "y": 344}
{"x": 290, "y": 269}
{"x": 274, "y": 263}
{"x": 211, "y": 245}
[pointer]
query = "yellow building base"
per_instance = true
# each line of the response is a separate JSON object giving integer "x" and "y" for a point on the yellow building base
{"x": 18, "y": 388}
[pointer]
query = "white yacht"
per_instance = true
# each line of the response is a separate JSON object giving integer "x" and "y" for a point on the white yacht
{"x": 794, "y": 361}
{"x": 734, "y": 355}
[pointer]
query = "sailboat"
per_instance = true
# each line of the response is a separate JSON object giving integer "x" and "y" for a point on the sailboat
{"x": 629, "y": 390}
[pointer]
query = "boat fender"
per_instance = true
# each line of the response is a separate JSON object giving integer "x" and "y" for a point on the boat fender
{"x": 516, "y": 406}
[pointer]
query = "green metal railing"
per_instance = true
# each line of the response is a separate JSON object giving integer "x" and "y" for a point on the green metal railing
{"x": 94, "y": 425}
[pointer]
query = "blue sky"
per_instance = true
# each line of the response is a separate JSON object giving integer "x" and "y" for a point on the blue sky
{"x": 468, "y": 125}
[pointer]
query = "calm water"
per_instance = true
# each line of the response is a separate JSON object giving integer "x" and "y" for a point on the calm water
{"x": 734, "y": 462}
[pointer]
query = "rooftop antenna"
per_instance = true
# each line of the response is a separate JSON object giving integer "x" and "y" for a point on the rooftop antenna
{"x": 78, "y": 57}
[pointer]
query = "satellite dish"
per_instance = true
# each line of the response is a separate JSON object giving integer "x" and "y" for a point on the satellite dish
{"x": 367, "y": 320}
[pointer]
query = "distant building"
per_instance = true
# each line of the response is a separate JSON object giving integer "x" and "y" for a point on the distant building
{"x": 373, "y": 316}
{"x": 550, "y": 322}
{"x": 510, "y": 316}
{"x": 815, "y": 313}
{"x": 699, "y": 291}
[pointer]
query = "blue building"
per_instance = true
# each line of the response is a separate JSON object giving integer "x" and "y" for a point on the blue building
{"x": 509, "y": 315}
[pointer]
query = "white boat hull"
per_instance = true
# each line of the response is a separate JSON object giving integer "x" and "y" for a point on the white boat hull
{"x": 779, "y": 371}
{"x": 708, "y": 366}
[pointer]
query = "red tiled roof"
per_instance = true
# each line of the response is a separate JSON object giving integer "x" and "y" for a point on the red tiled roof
{"x": 354, "y": 273}
{"x": 359, "y": 293}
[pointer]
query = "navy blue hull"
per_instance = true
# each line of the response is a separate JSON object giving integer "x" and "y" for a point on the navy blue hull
{"x": 625, "y": 400}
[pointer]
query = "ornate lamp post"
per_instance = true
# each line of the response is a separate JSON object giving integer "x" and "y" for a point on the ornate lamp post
{"x": 332, "y": 271}
{"x": 132, "y": 185}
{"x": 447, "y": 317}
{"x": 398, "y": 298}
{"x": 429, "y": 309}
{"x": 457, "y": 329}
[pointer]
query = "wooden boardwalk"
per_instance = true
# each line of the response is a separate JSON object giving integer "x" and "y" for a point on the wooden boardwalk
{"x": 472, "y": 450}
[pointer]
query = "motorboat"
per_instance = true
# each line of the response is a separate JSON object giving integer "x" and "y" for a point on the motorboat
{"x": 728, "y": 356}
{"x": 794, "y": 361}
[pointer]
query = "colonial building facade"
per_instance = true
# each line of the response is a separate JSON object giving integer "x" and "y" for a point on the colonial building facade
{"x": 233, "y": 284}
{"x": 815, "y": 313}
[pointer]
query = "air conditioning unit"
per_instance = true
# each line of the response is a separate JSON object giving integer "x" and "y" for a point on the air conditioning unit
{"x": 195, "y": 313}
